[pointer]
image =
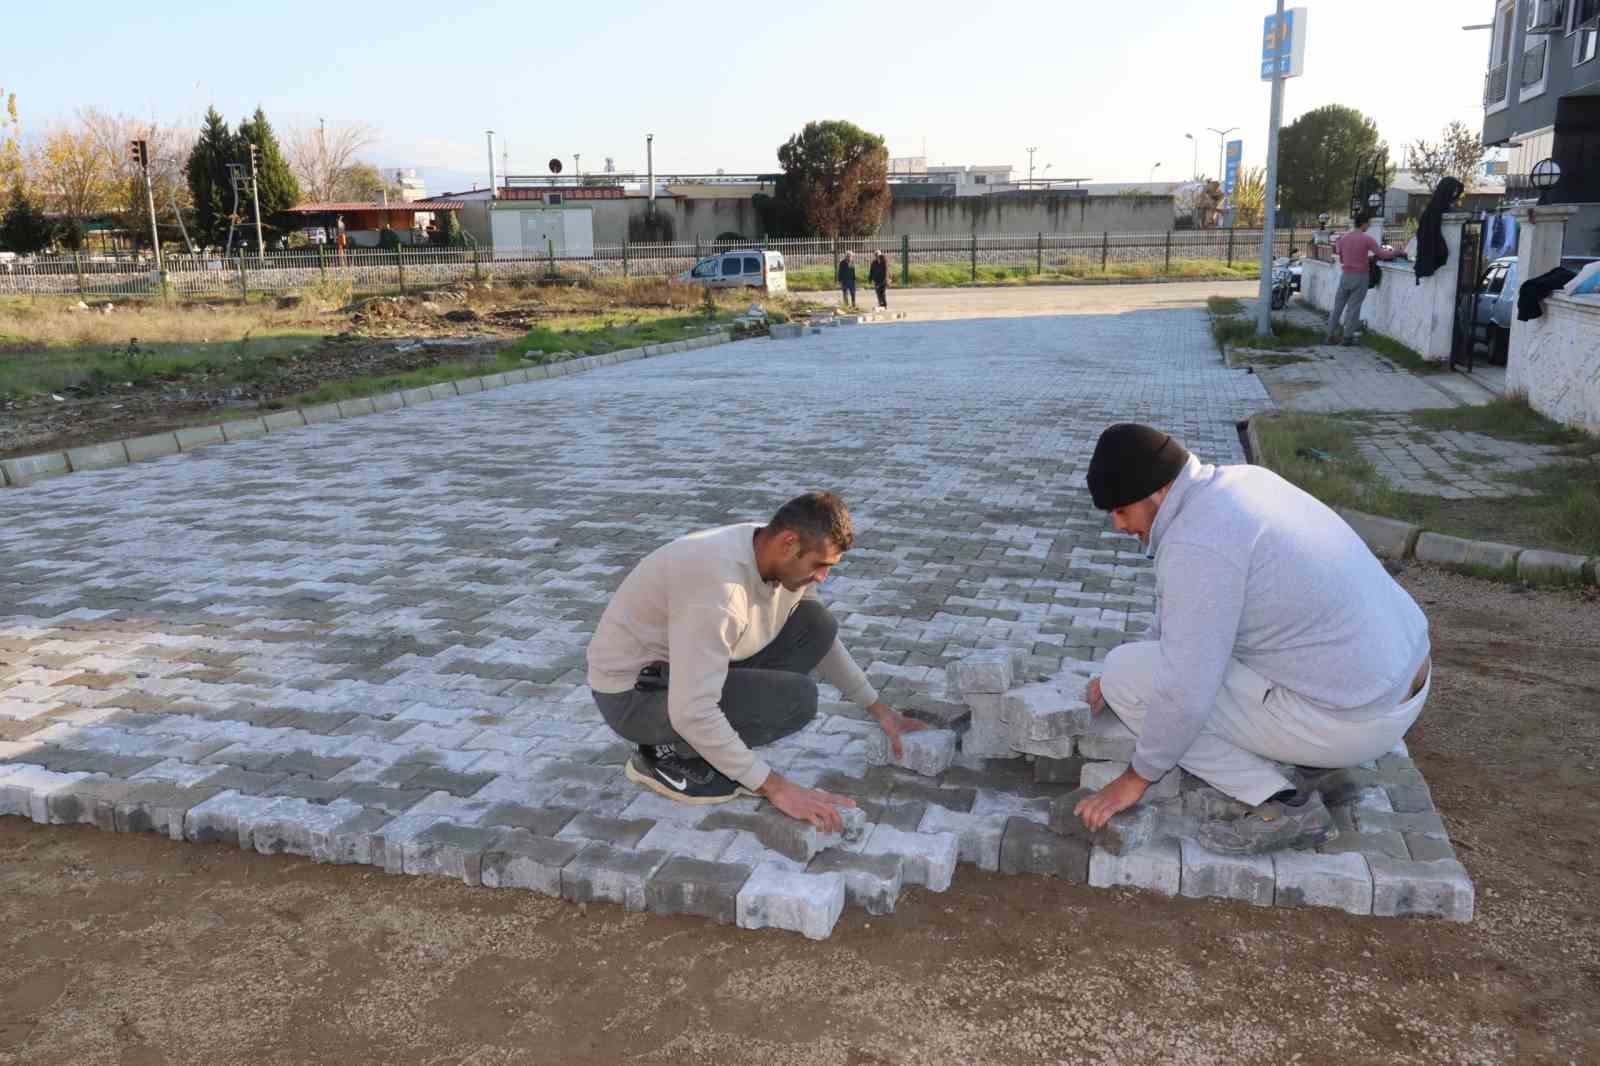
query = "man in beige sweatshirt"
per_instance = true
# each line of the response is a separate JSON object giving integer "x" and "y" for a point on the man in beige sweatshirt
{"x": 705, "y": 651}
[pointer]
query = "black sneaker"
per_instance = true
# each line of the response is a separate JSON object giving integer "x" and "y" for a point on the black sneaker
{"x": 688, "y": 780}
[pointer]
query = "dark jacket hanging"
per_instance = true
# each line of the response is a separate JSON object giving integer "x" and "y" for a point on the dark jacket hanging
{"x": 1531, "y": 293}
{"x": 1431, "y": 251}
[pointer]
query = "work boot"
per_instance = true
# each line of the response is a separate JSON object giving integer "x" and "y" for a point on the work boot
{"x": 687, "y": 779}
{"x": 1275, "y": 825}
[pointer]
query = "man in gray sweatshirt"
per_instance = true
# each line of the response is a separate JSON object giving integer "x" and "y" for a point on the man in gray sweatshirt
{"x": 1279, "y": 639}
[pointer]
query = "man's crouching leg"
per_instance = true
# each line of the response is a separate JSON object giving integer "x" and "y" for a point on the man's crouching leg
{"x": 1278, "y": 816}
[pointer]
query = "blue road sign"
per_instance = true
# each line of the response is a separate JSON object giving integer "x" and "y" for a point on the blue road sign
{"x": 1230, "y": 175}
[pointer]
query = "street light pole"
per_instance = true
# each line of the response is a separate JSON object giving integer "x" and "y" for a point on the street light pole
{"x": 1030, "y": 165}
{"x": 1269, "y": 205}
{"x": 1221, "y": 136}
{"x": 1194, "y": 163}
{"x": 1152, "y": 181}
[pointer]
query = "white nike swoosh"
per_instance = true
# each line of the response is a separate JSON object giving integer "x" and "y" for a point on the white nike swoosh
{"x": 679, "y": 785}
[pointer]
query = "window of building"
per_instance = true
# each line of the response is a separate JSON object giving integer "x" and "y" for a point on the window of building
{"x": 1586, "y": 25}
{"x": 980, "y": 179}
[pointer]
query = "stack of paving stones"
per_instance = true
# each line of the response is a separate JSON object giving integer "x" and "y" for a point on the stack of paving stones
{"x": 1391, "y": 857}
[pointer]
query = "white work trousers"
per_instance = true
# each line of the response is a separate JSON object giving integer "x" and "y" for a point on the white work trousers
{"x": 1256, "y": 725}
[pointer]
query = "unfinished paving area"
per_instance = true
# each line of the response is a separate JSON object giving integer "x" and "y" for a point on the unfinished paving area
{"x": 364, "y": 642}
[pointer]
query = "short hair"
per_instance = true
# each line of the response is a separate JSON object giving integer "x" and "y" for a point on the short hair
{"x": 1363, "y": 218}
{"x": 816, "y": 517}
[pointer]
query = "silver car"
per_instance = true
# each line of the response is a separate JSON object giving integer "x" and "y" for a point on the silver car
{"x": 1497, "y": 302}
{"x": 743, "y": 268}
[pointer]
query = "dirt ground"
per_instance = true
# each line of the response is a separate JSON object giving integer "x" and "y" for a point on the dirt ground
{"x": 374, "y": 337}
{"x": 138, "y": 950}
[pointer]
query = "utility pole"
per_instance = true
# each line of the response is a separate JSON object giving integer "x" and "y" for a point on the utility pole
{"x": 577, "y": 167}
{"x": 1269, "y": 205}
{"x": 1222, "y": 135}
{"x": 1030, "y": 165}
{"x": 255, "y": 200}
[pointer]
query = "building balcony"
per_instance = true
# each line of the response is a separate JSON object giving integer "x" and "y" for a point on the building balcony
{"x": 1494, "y": 85}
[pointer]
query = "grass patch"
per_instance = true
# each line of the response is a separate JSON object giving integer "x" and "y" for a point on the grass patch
{"x": 46, "y": 370}
{"x": 1396, "y": 352}
{"x": 1241, "y": 333}
{"x": 1508, "y": 418}
{"x": 1224, "y": 305}
{"x": 1563, "y": 512}
{"x": 609, "y": 333}
{"x": 373, "y": 385}
{"x": 1056, "y": 272}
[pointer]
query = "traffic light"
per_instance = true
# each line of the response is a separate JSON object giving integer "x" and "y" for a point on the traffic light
{"x": 139, "y": 153}
{"x": 254, "y": 155}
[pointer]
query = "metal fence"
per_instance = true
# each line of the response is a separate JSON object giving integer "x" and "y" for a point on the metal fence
{"x": 412, "y": 269}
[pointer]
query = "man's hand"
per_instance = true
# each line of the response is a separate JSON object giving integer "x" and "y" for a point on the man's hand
{"x": 1124, "y": 792}
{"x": 812, "y": 805}
{"x": 1093, "y": 697}
{"x": 894, "y": 724}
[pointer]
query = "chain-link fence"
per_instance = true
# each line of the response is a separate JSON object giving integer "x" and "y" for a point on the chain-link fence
{"x": 409, "y": 269}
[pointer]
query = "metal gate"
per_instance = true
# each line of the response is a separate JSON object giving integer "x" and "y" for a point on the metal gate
{"x": 1469, "y": 268}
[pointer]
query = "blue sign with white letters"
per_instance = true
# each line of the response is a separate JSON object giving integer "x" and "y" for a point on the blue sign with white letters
{"x": 1230, "y": 175}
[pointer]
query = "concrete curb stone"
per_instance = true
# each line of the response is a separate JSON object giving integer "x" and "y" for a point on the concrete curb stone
{"x": 413, "y": 397}
{"x": 1385, "y": 536}
{"x": 280, "y": 420}
{"x": 362, "y": 405}
{"x": 1438, "y": 548}
{"x": 29, "y": 468}
{"x": 98, "y": 456}
{"x": 1535, "y": 564}
{"x": 321, "y": 413}
{"x": 244, "y": 429}
{"x": 154, "y": 446}
{"x": 387, "y": 401}
{"x": 198, "y": 437}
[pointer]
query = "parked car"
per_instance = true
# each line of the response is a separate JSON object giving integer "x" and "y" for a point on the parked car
{"x": 741, "y": 268}
{"x": 1497, "y": 303}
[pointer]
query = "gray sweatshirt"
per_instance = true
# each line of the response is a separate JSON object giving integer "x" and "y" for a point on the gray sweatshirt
{"x": 1250, "y": 567}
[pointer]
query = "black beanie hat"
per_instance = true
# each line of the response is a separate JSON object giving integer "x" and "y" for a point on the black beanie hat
{"x": 1130, "y": 462}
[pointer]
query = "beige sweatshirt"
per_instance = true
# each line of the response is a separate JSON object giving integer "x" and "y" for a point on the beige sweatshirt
{"x": 698, "y": 604}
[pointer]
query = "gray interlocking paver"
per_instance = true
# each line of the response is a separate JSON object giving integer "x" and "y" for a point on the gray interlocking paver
{"x": 364, "y": 640}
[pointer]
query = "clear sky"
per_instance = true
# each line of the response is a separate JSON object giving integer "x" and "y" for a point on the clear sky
{"x": 1104, "y": 90}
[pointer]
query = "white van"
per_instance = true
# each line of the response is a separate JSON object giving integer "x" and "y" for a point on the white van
{"x": 743, "y": 268}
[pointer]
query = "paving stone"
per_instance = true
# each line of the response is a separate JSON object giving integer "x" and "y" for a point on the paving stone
{"x": 310, "y": 789}
{"x": 220, "y": 819}
{"x": 658, "y": 808}
{"x": 392, "y": 800}
{"x": 928, "y": 752}
{"x": 1208, "y": 804}
{"x": 978, "y": 836}
{"x": 1425, "y": 848}
{"x": 1097, "y": 775}
{"x": 746, "y": 850}
{"x": 1155, "y": 866}
{"x": 606, "y": 874}
{"x": 437, "y": 778}
{"x": 1206, "y": 873}
{"x": 926, "y": 859}
{"x": 1044, "y": 712}
{"x": 981, "y": 672}
{"x": 26, "y": 789}
{"x": 540, "y": 821}
{"x": 774, "y": 898}
{"x": 1059, "y": 748}
{"x": 89, "y": 801}
{"x": 1410, "y": 799}
{"x": 1058, "y": 771}
{"x": 1029, "y": 847}
{"x": 871, "y": 882}
{"x": 1382, "y": 842}
{"x": 520, "y": 859}
{"x": 159, "y": 807}
{"x": 788, "y": 836}
{"x": 246, "y": 782}
{"x": 685, "y": 885}
{"x": 309, "y": 764}
{"x": 449, "y": 851}
{"x": 620, "y": 832}
{"x": 1430, "y": 889}
{"x": 1307, "y": 879}
{"x": 350, "y": 840}
{"x": 290, "y": 826}
{"x": 1426, "y": 823}
{"x": 919, "y": 790}
{"x": 1108, "y": 739}
{"x": 684, "y": 840}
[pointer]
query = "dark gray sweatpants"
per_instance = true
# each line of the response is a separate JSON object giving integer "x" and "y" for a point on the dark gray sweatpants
{"x": 766, "y": 697}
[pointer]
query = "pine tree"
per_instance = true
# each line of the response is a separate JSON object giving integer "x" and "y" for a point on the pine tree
{"x": 209, "y": 183}
{"x": 24, "y": 229}
{"x": 275, "y": 182}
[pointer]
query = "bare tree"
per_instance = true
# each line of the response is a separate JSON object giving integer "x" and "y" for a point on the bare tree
{"x": 168, "y": 145}
{"x": 321, "y": 155}
{"x": 1457, "y": 154}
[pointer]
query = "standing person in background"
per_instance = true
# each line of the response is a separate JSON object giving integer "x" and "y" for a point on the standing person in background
{"x": 1355, "y": 251}
{"x": 878, "y": 274}
{"x": 845, "y": 275}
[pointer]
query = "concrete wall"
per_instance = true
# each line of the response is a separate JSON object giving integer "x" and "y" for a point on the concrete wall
{"x": 1420, "y": 316}
{"x": 1556, "y": 360}
{"x": 1029, "y": 213}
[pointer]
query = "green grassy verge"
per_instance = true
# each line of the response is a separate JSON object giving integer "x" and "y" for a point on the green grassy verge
{"x": 1409, "y": 358}
{"x": 610, "y": 333}
{"x": 1562, "y": 514}
{"x": 951, "y": 275}
{"x": 1240, "y": 332}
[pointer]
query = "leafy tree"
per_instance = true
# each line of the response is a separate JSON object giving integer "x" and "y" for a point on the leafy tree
{"x": 448, "y": 232}
{"x": 1457, "y": 154}
{"x": 836, "y": 176}
{"x": 1318, "y": 154}
{"x": 24, "y": 229}
{"x": 75, "y": 178}
{"x": 363, "y": 181}
{"x": 209, "y": 182}
{"x": 10, "y": 144}
{"x": 276, "y": 186}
